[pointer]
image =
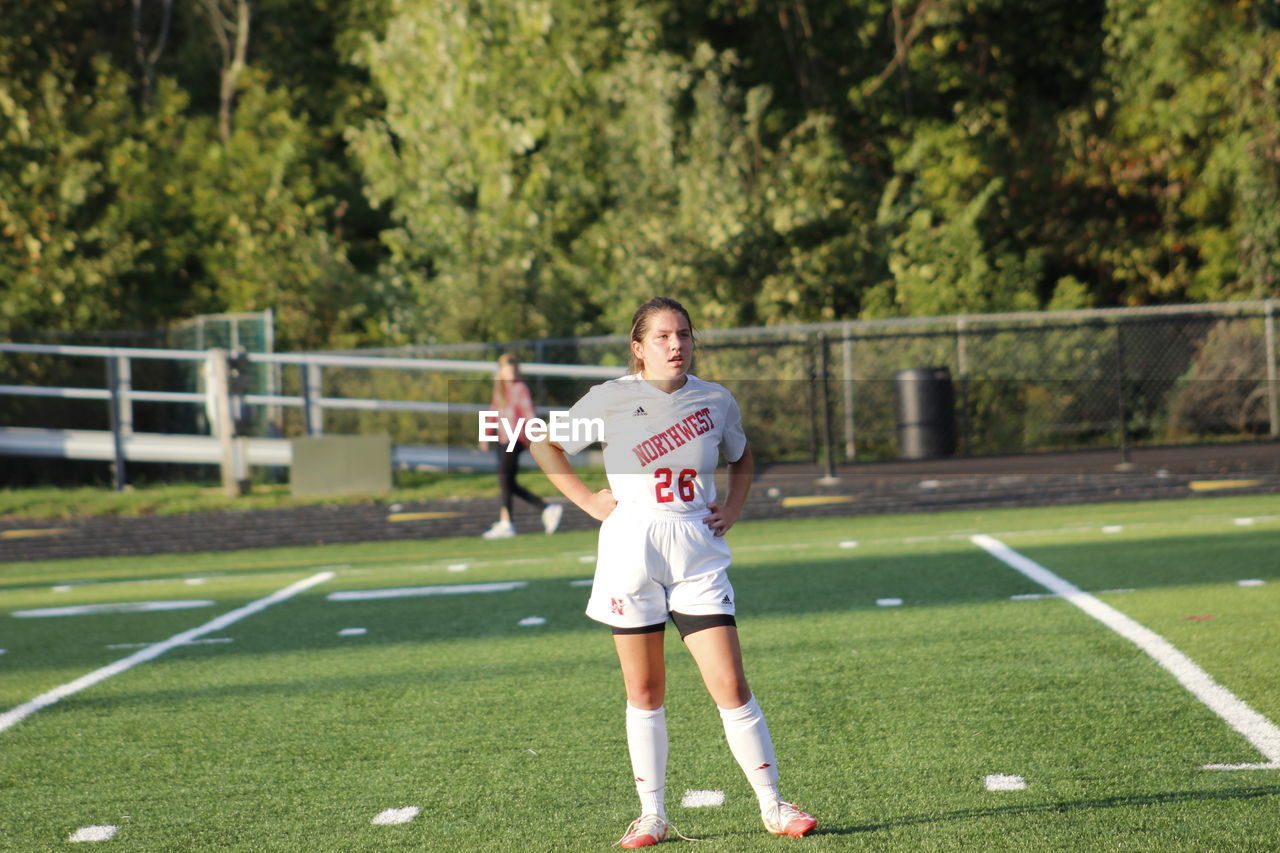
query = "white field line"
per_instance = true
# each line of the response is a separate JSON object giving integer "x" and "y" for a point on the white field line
{"x": 207, "y": 641}
{"x": 18, "y": 714}
{"x": 120, "y": 607}
{"x": 411, "y": 591}
{"x": 1257, "y": 729}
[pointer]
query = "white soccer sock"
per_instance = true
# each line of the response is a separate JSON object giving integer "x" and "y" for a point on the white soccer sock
{"x": 647, "y": 742}
{"x": 748, "y": 735}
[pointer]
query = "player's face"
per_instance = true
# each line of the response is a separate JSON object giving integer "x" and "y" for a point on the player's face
{"x": 667, "y": 347}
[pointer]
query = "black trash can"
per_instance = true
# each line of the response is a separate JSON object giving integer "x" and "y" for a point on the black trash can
{"x": 926, "y": 412}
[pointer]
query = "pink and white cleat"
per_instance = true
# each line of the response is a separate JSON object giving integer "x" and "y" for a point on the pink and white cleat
{"x": 645, "y": 831}
{"x": 786, "y": 819}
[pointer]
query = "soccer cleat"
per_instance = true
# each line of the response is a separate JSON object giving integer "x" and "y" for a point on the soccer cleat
{"x": 551, "y": 517}
{"x": 500, "y": 530}
{"x": 645, "y": 831}
{"x": 786, "y": 819}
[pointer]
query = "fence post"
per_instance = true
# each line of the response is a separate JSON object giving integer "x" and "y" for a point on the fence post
{"x": 312, "y": 412}
{"x": 1273, "y": 364}
{"x": 828, "y": 460}
{"x": 846, "y": 354}
{"x": 117, "y": 413}
{"x": 962, "y": 365}
{"x": 1122, "y": 398}
{"x": 275, "y": 412}
{"x": 234, "y": 467}
{"x": 811, "y": 371}
{"x": 540, "y": 356}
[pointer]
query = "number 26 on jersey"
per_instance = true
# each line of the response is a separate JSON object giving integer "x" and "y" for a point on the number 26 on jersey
{"x": 666, "y": 481}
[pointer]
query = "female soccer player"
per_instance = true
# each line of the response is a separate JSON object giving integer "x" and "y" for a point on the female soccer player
{"x": 511, "y": 400}
{"x": 662, "y": 553}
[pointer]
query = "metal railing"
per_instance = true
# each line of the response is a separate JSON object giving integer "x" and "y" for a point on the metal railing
{"x": 121, "y": 442}
{"x": 821, "y": 392}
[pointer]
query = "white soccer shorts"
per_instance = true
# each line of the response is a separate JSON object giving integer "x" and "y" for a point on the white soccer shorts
{"x": 650, "y": 564}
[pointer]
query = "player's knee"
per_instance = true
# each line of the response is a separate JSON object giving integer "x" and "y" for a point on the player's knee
{"x": 728, "y": 689}
{"x": 647, "y": 693}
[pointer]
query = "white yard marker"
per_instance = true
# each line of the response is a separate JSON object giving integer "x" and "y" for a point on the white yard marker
{"x": 702, "y": 799}
{"x": 353, "y": 632}
{"x": 391, "y": 817}
{"x": 888, "y": 602}
{"x": 587, "y": 558}
{"x": 93, "y": 833}
{"x": 411, "y": 591}
{"x": 997, "y": 782}
{"x": 582, "y": 582}
{"x": 1242, "y": 522}
{"x": 459, "y": 567}
{"x": 1113, "y": 528}
{"x": 1250, "y": 582}
{"x": 532, "y": 621}
{"x": 15, "y": 716}
{"x": 1257, "y": 729}
{"x": 848, "y": 544}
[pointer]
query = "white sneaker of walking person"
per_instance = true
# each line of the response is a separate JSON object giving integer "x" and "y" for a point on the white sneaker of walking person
{"x": 551, "y": 515}
{"x": 500, "y": 530}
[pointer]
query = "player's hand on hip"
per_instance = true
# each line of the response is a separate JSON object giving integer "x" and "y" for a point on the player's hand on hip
{"x": 719, "y": 519}
{"x": 600, "y": 505}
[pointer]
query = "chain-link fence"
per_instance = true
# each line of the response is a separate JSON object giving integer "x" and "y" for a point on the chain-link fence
{"x": 1013, "y": 383}
{"x": 248, "y": 331}
{"x": 829, "y": 393}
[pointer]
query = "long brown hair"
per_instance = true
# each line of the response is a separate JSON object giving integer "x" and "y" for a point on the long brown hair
{"x": 640, "y": 323}
{"x": 500, "y": 388}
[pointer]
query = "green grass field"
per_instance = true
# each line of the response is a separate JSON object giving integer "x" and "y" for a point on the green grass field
{"x": 284, "y": 732}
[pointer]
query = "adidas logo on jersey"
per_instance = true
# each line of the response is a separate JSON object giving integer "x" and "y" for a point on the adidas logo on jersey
{"x": 638, "y": 412}
{"x": 726, "y": 600}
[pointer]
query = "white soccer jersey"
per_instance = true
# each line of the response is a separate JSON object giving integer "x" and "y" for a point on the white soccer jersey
{"x": 660, "y": 449}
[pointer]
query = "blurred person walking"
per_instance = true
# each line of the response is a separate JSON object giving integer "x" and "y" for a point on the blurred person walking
{"x": 514, "y": 403}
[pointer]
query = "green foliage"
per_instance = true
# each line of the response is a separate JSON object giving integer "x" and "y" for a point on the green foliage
{"x": 499, "y": 169}
{"x": 489, "y": 168}
{"x": 64, "y": 234}
{"x": 1224, "y": 390}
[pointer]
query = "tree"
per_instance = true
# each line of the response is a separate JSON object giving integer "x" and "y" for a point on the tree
{"x": 147, "y": 53}
{"x": 229, "y": 23}
{"x": 487, "y": 153}
{"x": 66, "y": 240}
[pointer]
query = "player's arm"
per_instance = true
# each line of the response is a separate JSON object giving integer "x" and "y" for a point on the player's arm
{"x": 725, "y": 515}
{"x": 553, "y": 461}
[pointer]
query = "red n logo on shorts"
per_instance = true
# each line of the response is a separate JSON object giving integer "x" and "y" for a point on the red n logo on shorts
{"x": 615, "y": 606}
